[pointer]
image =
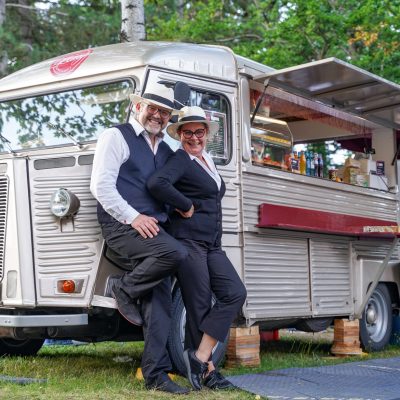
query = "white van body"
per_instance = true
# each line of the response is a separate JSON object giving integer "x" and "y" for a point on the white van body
{"x": 294, "y": 277}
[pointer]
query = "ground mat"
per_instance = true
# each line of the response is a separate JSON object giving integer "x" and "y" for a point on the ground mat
{"x": 362, "y": 380}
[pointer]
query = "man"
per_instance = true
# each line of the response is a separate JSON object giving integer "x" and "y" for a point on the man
{"x": 132, "y": 225}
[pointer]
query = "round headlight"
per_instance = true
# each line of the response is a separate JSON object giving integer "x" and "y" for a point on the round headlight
{"x": 64, "y": 203}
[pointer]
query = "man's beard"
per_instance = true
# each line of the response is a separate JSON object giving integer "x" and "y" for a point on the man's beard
{"x": 152, "y": 127}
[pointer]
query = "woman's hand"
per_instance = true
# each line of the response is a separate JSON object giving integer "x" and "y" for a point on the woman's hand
{"x": 186, "y": 214}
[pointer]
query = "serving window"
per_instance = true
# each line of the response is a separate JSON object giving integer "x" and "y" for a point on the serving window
{"x": 316, "y": 140}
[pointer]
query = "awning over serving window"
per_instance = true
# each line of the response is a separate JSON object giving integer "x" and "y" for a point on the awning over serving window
{"x": 343, "y": 87}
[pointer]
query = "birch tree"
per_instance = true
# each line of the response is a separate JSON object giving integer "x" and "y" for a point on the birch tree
{"x": 3, "y": 53}
{"x": 132, "y": 17}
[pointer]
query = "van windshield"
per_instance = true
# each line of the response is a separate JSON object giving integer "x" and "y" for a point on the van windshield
{"x": 78, "y": 115}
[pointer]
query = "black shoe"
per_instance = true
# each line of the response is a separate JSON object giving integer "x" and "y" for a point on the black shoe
{"x": 195, "y": 369}
{"x": 126, "y": 306}
{"x": 215, "y": 380}
{"x": 168, "y": 386}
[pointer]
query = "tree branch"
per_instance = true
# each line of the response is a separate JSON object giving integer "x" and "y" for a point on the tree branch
{"x": 247, "y": 36}
{"x": 33, "y": 8}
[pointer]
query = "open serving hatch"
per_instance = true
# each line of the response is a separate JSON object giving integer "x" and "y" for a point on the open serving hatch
{"x": 341, "y": 86}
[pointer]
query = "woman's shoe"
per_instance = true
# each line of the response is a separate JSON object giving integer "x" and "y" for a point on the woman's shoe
{"x": 195, "y": 369}
{"x": 215, "y": 380}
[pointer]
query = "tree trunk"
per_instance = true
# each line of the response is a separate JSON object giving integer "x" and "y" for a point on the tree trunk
{"x": 26, "y": 12}
{"x": 132, "y": 27}
{"x": 2, "y": 11}
{"x": 180, "y": 5}
{"x": 3, "y": 54}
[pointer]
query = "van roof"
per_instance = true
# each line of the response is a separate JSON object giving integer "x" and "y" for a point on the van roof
{"x": 211, "y": 61}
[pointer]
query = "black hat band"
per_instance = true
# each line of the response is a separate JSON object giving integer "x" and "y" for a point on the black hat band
{"x": 159, "y": 99}
{"x": 192, "y": 118}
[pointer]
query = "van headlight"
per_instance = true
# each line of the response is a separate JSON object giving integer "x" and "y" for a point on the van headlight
{"x": 64, "y": 203}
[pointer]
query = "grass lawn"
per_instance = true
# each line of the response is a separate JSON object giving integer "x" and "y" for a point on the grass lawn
{"x": 107, "y": 370}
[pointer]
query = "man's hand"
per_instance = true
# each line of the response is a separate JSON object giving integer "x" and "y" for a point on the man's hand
{"x": 186, "y": 214}
{"x": 146, "y": 226}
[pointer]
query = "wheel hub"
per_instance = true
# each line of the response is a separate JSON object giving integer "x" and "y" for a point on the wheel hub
{"x": 371, "y": 315}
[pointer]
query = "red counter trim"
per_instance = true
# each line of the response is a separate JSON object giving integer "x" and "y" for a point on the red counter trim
{"x": 301, "y": 219}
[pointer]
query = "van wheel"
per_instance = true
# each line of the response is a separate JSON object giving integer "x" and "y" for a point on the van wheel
{"x": 12, "y": 347}
{"x": 176, "y": 338}
{"x": 376, "y": 321}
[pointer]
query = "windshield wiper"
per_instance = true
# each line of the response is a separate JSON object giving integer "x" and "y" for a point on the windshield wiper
{"x": 5, "y": 141}
{"x": 66, "y": 134}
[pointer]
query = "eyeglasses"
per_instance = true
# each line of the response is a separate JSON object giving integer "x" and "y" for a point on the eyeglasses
{"x": 199, "y": 133}
{"x": 154, "y": 110}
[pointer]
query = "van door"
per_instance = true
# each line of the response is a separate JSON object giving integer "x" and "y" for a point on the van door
{"x": 218, "y": 99}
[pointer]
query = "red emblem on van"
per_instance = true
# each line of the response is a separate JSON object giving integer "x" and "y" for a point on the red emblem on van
{"x": 69, "y": 63}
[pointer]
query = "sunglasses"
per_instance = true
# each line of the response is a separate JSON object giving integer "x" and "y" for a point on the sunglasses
{"x": 199, "y": 133}
{"x": 154, "y": 110}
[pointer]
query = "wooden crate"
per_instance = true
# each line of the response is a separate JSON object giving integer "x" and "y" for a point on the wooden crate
{"x": 346, "y": 341}
{"x": 243, "y": 347}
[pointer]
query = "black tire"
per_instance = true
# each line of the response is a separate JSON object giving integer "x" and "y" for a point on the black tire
{"x": 12, "y": 347}
{"x": 177, "y": 337}
{"x": 314, "y": 324}
{"x": 376, "y": 321}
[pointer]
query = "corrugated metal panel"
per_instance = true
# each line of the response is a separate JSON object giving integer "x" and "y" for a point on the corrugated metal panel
{"x": 330, "y": 277}
{"x": 64, "y": 248}
{"x": 276, "y": 275}
{"x": 231, "y": 215}
{"x": 282, "y": 188}
{"x": 56, "y": 247}
{"x": 374, "y": 250}
{"x": 3, "y": 220}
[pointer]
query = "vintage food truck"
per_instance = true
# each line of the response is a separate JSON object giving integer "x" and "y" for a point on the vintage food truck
{"x": 305, "y": 245}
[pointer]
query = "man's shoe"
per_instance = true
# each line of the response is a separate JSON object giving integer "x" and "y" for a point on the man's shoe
{"x": 195, "y": 369}
{"x": 126, "y": 306}
{"x": 169, "y": 387}
{"x": 215, "y": 380}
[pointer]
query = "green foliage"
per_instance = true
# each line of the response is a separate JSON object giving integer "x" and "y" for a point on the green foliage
{"x": 279, "y": 33}
{"x": 282, "y": 33}
{"x": 30, "y": 35}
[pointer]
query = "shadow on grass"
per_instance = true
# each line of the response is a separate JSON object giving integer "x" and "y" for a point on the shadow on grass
{"x": 305, "y": 346}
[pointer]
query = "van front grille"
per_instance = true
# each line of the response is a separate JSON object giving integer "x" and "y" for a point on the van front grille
{"x": 3, "y": 220}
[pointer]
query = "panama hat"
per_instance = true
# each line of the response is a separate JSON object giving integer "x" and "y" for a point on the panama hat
{"x": 191, "y": 114}
{"x": 158, "y": 95}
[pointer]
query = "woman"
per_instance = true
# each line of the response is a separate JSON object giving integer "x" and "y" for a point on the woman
{"x": 190, "y": 183}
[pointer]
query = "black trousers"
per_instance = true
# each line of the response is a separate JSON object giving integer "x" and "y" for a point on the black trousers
{"x": 208, "y": 270}
{"x": 154, "y": 260}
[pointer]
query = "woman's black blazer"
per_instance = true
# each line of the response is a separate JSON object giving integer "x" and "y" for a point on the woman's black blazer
{"x": 182, "y": 182}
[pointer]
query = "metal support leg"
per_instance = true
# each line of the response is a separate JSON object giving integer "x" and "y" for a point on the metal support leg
{"x": 374, "y": 283}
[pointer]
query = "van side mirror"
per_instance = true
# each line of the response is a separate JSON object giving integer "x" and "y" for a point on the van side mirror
{"x": 182, "y": 93}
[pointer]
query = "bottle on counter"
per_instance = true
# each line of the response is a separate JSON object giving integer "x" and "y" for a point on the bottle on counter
{"x": 295, "y": 166}
{"x": 312, "y": 164}
{"x": 308, "y": 163}
{"x": 320, "y": 166}
{"x": 303, "y": 163}
{"x": 316, "y": 167}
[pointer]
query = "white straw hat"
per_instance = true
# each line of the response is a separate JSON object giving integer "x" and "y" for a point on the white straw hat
{"x": 158, "y": 95}
{"x": 192, "y": 114}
